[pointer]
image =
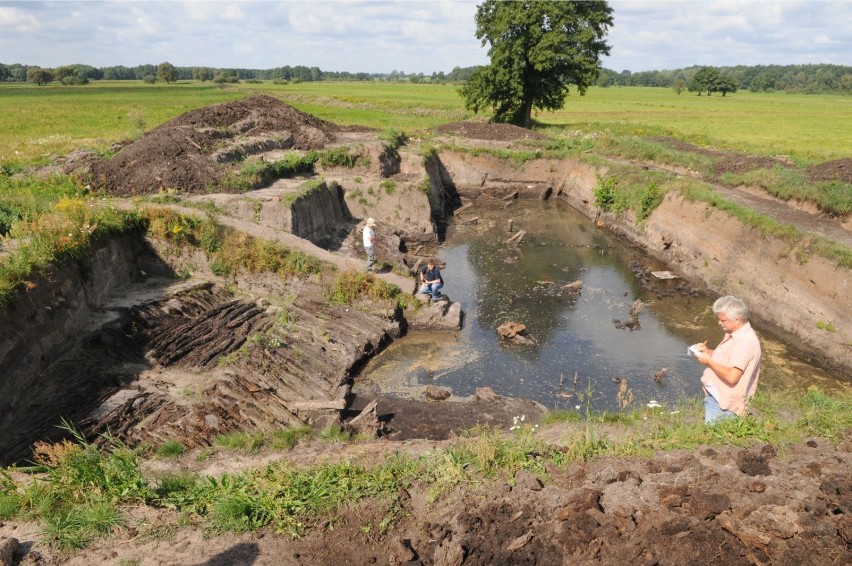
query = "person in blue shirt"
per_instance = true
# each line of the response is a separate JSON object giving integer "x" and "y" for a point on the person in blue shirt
{"x": 431, "y": 280}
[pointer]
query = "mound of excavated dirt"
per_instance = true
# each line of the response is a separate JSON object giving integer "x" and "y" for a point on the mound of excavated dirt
{"x": 489, "y": 131}
{"x": 180, "y": 153}
{"x": 728, "y": 161}
{"x": 837, "y": 170}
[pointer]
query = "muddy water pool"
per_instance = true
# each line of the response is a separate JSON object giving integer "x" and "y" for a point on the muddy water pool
{"x": 580, "y": 352}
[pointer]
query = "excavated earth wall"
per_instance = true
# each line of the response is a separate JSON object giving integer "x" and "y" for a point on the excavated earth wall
{"x": 41, "y": 376}
{"x": 789, "y": 297}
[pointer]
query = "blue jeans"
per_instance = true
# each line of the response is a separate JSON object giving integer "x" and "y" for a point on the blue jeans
{"x": 433, "y": 289}
{"x": 713, "y": 412}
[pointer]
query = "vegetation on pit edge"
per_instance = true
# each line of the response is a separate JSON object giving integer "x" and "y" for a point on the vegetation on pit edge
{"x": 77, "y": 492}
{"x": 51, "y": 228}
{"x": 628, "y": 189}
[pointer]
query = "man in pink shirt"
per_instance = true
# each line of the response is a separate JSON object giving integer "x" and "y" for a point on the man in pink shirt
{"x": 733, "y": 368}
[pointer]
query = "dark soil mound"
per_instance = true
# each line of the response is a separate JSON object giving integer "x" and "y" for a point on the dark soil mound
{"x": 837, "y": 170}
{"x": 728, "y": 161}
{"x": 489, "y": 131}
{"x": 179, "y": 154}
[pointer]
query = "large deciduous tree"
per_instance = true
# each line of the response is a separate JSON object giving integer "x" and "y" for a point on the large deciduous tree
{"x": 538, "y": 48}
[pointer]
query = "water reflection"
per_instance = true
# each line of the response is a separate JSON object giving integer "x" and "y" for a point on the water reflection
{"x": 576, "y": 344}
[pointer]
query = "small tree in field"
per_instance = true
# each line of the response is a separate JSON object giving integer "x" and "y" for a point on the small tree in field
{"x": 166, "y": 72}
{"x": 703, "y": 79}
{"x": 538, "y": 48}
{"x": 39, "y": 76}
{"x": 725, "y": 84}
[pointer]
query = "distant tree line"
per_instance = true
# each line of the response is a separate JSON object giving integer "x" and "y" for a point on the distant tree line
{"x": 808, "y": 79}
{"x": 166, "y": 72}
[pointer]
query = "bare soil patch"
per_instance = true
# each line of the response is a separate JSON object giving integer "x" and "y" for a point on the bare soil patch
{"x": 837, "y": 170}
{"x": 489, "y": 131}
{"x": 729, "y": 161}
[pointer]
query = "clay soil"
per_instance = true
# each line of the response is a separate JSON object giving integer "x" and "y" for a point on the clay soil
{"x": 718, "y": 505}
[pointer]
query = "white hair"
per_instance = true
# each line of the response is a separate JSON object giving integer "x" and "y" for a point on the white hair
{"x": 732, "y": 307}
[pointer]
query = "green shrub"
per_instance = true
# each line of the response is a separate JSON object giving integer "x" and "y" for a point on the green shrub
{"x": 605, "y": 193}
{"x": 341, "y": 157}
{"x": 294, "y": 164}
{"x": 350, "y": 286}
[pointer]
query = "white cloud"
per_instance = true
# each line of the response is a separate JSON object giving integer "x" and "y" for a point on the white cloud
{"x": 412, "y": 35}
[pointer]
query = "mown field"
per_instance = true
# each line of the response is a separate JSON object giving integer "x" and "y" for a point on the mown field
{"x": 40, "y": 121}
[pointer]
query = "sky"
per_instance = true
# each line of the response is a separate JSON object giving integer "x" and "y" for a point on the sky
{"x": 411, "y": 36}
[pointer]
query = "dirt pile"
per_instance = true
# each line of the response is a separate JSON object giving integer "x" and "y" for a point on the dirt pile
{"x": 489, "y": 131}
{"x": 837, "y": 170}
{"x": 190, "y": 153}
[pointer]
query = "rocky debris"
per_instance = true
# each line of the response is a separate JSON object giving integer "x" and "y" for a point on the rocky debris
{"x": 442, "y": 315}
{"x": 434, "y": 393}
{"x": 514, "y": 331}
{"x": 367, "y": 422}
{"x": 8, "y": 547}
{"x": 573, "y": 288}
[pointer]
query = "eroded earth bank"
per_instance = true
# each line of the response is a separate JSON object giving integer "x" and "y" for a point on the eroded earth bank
{"x": 151, "y": 340}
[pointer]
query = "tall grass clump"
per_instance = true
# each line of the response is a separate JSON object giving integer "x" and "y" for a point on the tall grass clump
{"x": 230, "y": 252}
{"x": 349, "y": 286}
{"x": 342, "y": 157}
{"x": 63, "y": 231}
{"x": 256, "y": 174}
{"x": 76, "y": 498}
{"x": 241, "y": 252}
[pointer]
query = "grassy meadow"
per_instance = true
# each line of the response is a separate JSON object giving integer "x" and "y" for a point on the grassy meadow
{"x": 40, "y": 121}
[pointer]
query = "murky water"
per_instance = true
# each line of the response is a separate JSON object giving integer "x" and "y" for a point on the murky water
{"x": 577, "y": 347}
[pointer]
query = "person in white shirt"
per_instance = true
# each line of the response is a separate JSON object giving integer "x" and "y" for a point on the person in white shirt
{"x": 370, "y": 243}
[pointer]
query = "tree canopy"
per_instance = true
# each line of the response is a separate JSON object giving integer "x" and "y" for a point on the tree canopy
{"x": 538, "y": 48}
{"x": 711, "y": 80}
{"x": 167, "y": 73}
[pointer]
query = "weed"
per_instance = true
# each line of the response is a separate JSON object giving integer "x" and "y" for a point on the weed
{"x": 350, "y": 286}
{"x": 243, "y": 441}
{"x": 286, "y": 438}
{"x": 170, "y": 449}
{"x": 341, "y": 157}
{"x": 605, "y": 193}
{"x": 388, "y": 186}
{"x": 266, "y": 340}
{"x": 334, "y": 434}
{"x": 827, "y": 326}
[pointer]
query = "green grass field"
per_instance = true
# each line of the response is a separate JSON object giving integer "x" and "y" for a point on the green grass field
{"x": 40, "y": 121}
